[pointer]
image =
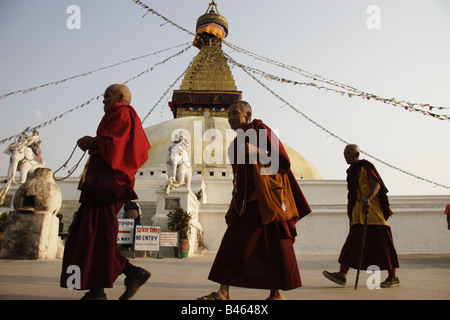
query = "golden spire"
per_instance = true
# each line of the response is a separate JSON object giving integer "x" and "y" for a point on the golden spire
{"x": 208, "y": 84}
{"x": 210, "y": 25}
{"x": 211, "y": 7}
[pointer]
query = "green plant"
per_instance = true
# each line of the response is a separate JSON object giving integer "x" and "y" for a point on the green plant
{"x": 3, "y": 218}
{"x": 179, "y": 220}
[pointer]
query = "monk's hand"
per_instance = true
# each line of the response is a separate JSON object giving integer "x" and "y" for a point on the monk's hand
{"x": 247, "y": 149}
{"x": 86, "y": 143}
{"x": 251, "y": 149}
{"x": 366, "y": 205}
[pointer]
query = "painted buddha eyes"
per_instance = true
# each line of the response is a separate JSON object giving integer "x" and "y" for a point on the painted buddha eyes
{"x": 216, "y": 109}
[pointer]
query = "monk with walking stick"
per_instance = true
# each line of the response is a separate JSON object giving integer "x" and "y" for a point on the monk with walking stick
{"x": 369, "y": 241}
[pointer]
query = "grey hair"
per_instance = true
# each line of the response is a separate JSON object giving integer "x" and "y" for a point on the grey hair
{"x": 244, "y": 106}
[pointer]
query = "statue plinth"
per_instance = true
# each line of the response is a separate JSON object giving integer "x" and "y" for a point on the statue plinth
{"x": 186, "y": 199}
{"x": 31, "y": 231}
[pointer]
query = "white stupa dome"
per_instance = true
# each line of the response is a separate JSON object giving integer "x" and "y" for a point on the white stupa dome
{"x": 209, "y": 138}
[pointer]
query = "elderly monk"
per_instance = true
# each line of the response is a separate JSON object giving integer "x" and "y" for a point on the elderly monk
{"x": 251, "y": 254}
{"x": 366, "y": 193}
{"x": 116, "y": 153}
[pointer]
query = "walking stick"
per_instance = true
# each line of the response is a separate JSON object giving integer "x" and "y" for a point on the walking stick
{"x": 361, "y": 252}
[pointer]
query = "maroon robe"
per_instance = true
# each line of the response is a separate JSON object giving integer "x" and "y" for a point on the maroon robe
{"x": 251, "y": 254}
{"x": 379, "y": 247}
{"x": 109, "y": 181}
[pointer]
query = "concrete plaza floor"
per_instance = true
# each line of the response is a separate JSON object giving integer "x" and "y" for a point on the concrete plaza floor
{"x": 422, "y": 277}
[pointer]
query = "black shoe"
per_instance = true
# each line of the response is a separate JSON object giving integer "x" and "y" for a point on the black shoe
{"x": 390, "y": 282}
{"x": 335, "y": 277}
{"x": 133, "y": 281}
{"x": 94, "y": 295}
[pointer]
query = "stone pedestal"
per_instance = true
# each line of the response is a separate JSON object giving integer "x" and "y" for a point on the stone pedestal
{"x": 30, "y": 236}
{"x": 188, "y": 201}
{"x": 198, "y": 187}
{"x": 31, "y": 231}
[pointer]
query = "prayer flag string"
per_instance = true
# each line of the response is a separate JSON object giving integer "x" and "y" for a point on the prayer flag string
{"x": 167, "y": 21}
{"x": 49, "y": 122}
{"x": 407, "y": 106}
{"x": 166, "y": 92}
{"x": 331, "y": 133}
{"x": 24, "y": 91}
{"x": 343, "y": 88}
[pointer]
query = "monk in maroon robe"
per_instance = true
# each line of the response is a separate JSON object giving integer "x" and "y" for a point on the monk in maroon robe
{"x": 251, "y": 254}
{"x": 118, "y": 150}
{"x": 366, "y": 193}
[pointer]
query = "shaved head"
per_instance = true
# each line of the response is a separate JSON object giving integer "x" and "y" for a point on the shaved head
{"x": 116, "y": 93}
{"x": 351, "y": 153}
{"x": 352, "y": 147}
{"x": 123, "y": 90}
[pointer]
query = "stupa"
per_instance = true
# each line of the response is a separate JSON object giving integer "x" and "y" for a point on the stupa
{"x": 200, "y": 105}
{"x": 200, "y": 109}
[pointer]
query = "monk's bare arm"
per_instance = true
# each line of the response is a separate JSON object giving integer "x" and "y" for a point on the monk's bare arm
{"x": 374, "y": 188}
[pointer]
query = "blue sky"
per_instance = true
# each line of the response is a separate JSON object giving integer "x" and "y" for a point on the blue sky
{"x": 406, "y": 58}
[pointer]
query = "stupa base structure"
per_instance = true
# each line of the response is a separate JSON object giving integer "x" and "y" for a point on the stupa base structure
{"x": 184, "y": 198}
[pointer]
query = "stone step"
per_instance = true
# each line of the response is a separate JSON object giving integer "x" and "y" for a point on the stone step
{"x": 69, "y": 207}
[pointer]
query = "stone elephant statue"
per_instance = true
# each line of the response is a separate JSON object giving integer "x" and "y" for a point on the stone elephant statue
{"x": 179, "y": 169}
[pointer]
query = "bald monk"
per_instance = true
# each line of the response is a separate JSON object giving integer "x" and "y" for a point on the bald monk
{"x": 116, "y": 153}
{"x": 366, "y": 192}
{"x": 251, "y": 254}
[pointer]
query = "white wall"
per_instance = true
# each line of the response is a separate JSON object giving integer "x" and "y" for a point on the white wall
{"x": 418, "y": 224}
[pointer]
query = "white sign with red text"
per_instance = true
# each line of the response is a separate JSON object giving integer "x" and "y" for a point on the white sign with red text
{"x": 126, "y": 231}
{"x": 147, "y": 238}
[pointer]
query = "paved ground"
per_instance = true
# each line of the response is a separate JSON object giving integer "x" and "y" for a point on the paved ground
{"x": 422, "y": 277}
